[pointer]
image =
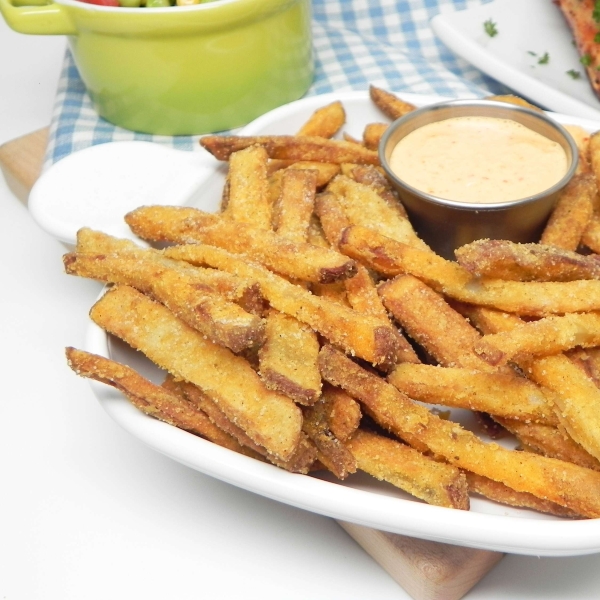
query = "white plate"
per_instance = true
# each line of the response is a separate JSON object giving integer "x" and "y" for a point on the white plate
{"x": 524, "y": 27}
{"x": 360, "y": 499}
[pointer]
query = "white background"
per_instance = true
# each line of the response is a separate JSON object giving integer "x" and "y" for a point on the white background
{"x": 87, "y": 512}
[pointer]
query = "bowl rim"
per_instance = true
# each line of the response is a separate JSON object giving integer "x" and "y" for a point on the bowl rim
{"x": 205, "y": 5}
{"x": 506, "y": 107}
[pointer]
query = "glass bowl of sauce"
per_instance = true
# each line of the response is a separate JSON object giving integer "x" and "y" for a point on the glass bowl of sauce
{"x": 472, "y": 169}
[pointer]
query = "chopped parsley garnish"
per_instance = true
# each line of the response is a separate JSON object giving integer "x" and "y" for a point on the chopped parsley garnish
{"x": 586, "y": 60}
{"x": 596, "y": 11}
{"x": 491, "y": 29}
{"x": 597, "y": 38}
{"x": 544, "y": 59}
{"x": 573, "y": 74}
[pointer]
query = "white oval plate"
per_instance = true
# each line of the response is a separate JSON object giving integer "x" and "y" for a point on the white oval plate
{"x": 360, "y": 499}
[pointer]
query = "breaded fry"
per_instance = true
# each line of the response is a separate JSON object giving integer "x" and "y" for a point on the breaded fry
{"x": 531, "y": 298}
{"x": 152, "y": 399}
{"x": 373, "y": 133}
{"x": 359, "y": 334}
{"x": 325, "y": 122}
{"x": 499, "y": 394}
{"x": 248, "y": 198}
{"x": 503, "y": 259}
{"x": 294, "y": 148}
{"x": 572, "y": 213}
{"x": 512, "y": 99}
{"x": 300, "y": 261}
{"x": 569, "y": 485}
{"x": 342, "y": 412}
{"x": 499, "y": 492}
{"x": 550, "y": 335}
{"x": 591, "y": 236}
{"x": 325, "y": 172}
{"x": 389, "y": 103}
{"x": 389, "y": 460}
{"x": 270, "y": 419}
{"x": 204, "y": 309}
{"x": 288, "y": 358}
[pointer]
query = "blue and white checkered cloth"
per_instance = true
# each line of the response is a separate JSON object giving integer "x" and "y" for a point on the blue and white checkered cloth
{"x": 387, "y": 43}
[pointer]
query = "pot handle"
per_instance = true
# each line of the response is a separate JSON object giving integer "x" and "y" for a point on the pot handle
{"x": 37, "y": 17}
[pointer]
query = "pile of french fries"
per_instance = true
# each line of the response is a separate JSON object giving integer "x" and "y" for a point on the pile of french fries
{"x": 306, "y": 324}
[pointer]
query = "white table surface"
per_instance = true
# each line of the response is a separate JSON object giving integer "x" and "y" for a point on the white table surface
{"x": 87, "y": 512}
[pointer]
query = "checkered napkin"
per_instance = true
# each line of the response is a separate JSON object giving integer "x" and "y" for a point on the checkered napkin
{"x": 387, "y": 43}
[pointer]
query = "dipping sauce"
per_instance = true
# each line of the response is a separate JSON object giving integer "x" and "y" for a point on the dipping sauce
{"x": 478, "y": 160}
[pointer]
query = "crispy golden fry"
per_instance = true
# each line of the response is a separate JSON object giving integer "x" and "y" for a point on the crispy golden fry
{"x": 594, "y": 158}
{"x": 389, "y": 103}
{"x": 499, "y": 492}
{"x": 152, "y": 399}
{"x": 295, "y": 205}
{"x": 572, "y": 213}
{"x": 288, "y": 358}
{"x": 499, "y": 394}
{"x": 243, "y": 292}
{"x": 549, "y": 441}
{"x": 503, "y": 259}
{"x": 549, "y": 335}
{"x": 373, "y": 133}
{"x": 582, "y": 140}
{"x": 270, "y": 419}
{"x": 299, "y": 462}
{"x": 512, "y": 99}
{"x": 569, "y": 485}
{"x": 325, "y": 122}
{"x": 342, "y": 412}
{"x": 591, "y": 236}
{"x": 189, "y": 225}
{"x": 388, "y": 460}
{"x": 433, "y": 323}
{"x": 331, "y": 452}
{"x": 202, "y": 308}
{"x": 532, "y": 298}
{"x": 589, "y": 361}
{"x": 295, "y": 148}
{"x": 359, "y": 334}
{"x": 364, "y": 206}
{"x": 248, "y": 198}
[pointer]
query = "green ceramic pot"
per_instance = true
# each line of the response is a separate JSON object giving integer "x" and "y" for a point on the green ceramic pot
{"x": 181, "y": 70}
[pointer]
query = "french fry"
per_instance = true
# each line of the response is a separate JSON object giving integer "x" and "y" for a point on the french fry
{"x": 342, "y": 412}
{"x": 204, "y": 309}
{"x": 389, "y": 103}
{"x": 294, "y": 148}
{"x": 550, "y": 335}
{"x": 270, "y": 419}
{"x": 189, "y": 225}
{"x": 591, "y": 236}
{"x": 561, "y": 482}
{"x": 248, "y": 197}
{"x": 499, "y": 394}
{"x": 152, "y": 399}
{"x": 572, "y": 213}
{"x": 325, "y": 172}
{"x": 531, "y": 298}
{"x": 299, "y": 462}
{"x": 325, "y": 122}
{"x": 512, "y": 99}
{"x": 503, "y": 259}
{"x": 373, "y": 133}
{"x": 362, "y": 335}
{"x": 389, "y": 460}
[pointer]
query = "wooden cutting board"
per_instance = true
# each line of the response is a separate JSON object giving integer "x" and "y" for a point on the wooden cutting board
{"x": 426, "y": 570}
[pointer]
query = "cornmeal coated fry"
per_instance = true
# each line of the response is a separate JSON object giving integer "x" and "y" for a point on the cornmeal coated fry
{"x": 550, "y": 335}
{"x": 325, "y": 172}
{"x": 572, "y": 213}
{"x": 152, "y": 399}
{"x": 248, "y": 197}
{"x": 325, "y": 121}
{"x": 201, "y": 307}
{"x": 529, "y": 298}
{"x": 591, "y": 236}
{"x": 300, "y": 462}
{"x": 342, "y": 411}
{"x": 372, "y": 134}
{"x": 270, "y": 419}
{"x": 389, "y": 103}
{"x": 361, "y": 335}
{"x": 389, "y": 460}
{"x": 288, "y": 358}
{"x": 300, "y": 261}
{"x": 294, "y": 148}
{"x": 494, "y": 490}
{"x": 550, "y": 441}
{"x": 503, "y": 259}
{"x": 569, "y": 485}
{"x": 331, "y": 452}
{"x": 499, "y": 394}
{"x": 512, "y": 99}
